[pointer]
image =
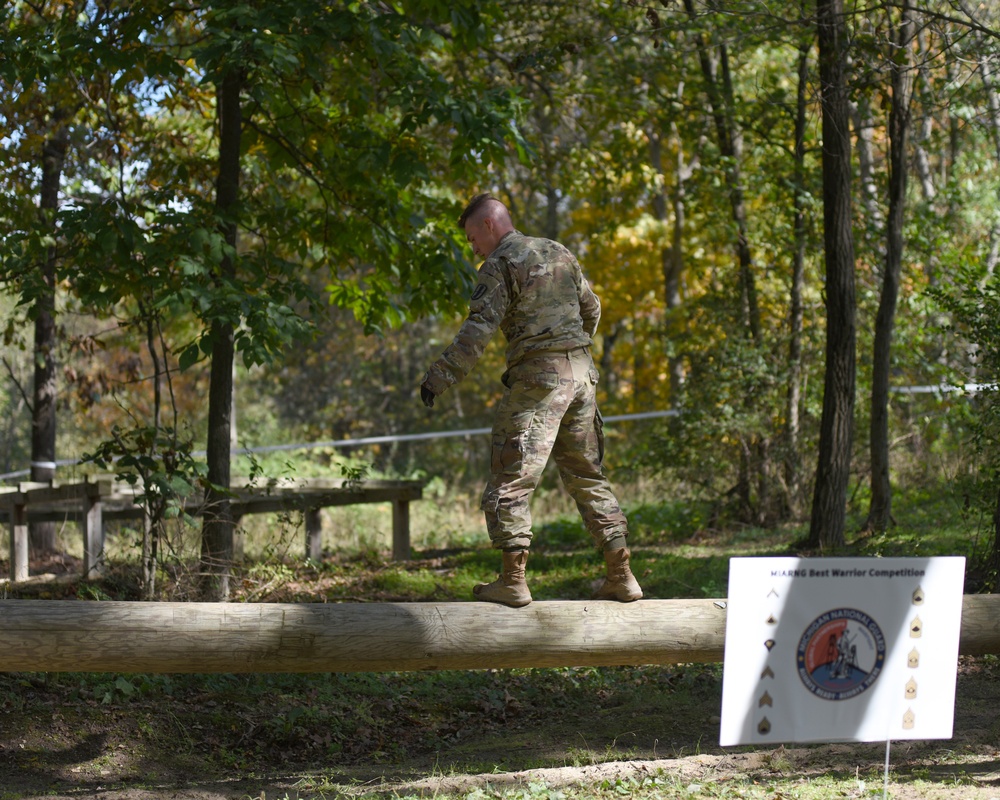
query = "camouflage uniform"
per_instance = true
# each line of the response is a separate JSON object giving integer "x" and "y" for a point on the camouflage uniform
{"x": 534, "y": 291}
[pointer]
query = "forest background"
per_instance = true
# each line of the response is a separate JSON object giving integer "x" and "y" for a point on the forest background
{"x": 232, "y": 225}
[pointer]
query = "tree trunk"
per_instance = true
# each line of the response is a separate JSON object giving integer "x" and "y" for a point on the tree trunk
{"x": 922, "y": 136}
{"x": 864, "y": 128}
{"x": 793, "y": 466}
{"x": 43, "y": 412}
{"x": 673, "y": 269}
{"x": 672, "y": 257}
{"x": 993, "y": 99}
{"x": 217, "y": 524}
{"x": 826, "y": 528}
{"x": 152, "y": 509}
{"x": 721, "y": 99}
{"x": 610, "y": 374}
{"x": 922, "y": 159}
{"x": 551, "y": 212}
{"x": 992, "y": 570}
{"x": 880, "y": 509}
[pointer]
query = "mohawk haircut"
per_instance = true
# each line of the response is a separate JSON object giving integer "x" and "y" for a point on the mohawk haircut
{"x": 475, "y": 204}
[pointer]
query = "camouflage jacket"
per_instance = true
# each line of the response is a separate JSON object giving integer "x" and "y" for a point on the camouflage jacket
{"x": 534, "y": 291}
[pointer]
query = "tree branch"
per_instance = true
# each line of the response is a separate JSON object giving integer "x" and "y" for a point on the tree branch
{"x": 17, "y": 383}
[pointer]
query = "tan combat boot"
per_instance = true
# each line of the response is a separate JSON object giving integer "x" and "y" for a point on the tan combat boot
{"x": 510, "y": 588}
{"x": 620, "y": 584}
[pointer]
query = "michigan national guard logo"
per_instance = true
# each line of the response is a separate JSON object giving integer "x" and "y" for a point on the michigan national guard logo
{"x": 841, "y": 654}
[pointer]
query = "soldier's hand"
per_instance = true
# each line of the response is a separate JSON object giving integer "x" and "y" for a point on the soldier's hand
{"x": 427, "y": 396}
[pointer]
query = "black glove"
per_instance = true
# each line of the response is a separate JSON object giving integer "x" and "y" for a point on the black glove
{"x": 427, "y": 396}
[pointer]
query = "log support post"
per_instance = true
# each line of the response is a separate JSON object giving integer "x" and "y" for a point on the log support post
{"x": 93, "y": 536}
{"x": 239, "y": 535}
{"x": 314, "y": 533}
{"x": 19, "y": 541}
{"x": 401, "y": 530}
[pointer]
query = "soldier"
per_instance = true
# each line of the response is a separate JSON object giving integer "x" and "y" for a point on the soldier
{"x": 534, "y": 291}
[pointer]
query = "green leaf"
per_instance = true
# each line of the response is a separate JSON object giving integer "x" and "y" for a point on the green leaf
{"x": 189, "y": 356}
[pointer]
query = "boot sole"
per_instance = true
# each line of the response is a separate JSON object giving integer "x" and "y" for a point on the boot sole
{"x": 482, "y": 597}
{"x": 613, "y": 596}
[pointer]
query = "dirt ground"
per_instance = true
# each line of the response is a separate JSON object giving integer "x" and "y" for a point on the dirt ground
{"x": 84, "y": 750}
{"x": 917, "y": 773}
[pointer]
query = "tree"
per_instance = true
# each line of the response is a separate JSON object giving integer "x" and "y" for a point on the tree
{"x": 792, "y": 471}
{"x": 880, "y": 510}
{"x": 44, "y": 111}
{"x": 43, "y": 408}
{"x": 826, "y": 527}
{"x": 217, "y": 527}
{"x": 84, "y": 69}
{"x": 719, "y": 90}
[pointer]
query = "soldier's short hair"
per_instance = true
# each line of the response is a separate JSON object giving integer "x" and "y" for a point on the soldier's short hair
{"x": 476, "y": 204}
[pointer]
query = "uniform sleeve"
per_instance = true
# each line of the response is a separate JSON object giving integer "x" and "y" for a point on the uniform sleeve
{"x": 590, "y": 307}
{"x": 488, "y": 305}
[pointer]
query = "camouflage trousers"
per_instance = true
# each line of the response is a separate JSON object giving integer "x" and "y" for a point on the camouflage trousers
{"x": 549, "y": 408}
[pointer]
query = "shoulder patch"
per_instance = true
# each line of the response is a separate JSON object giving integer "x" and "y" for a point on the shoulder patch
{"x": 480, "y": 291}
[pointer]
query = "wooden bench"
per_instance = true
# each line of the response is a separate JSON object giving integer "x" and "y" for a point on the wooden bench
{"x": 92, "y": 502}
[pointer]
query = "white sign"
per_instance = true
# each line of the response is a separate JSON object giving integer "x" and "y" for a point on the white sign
{"x": 841, "y": 649}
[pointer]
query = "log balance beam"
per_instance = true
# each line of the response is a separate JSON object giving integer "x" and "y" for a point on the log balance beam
{"x": 76, "y": 636}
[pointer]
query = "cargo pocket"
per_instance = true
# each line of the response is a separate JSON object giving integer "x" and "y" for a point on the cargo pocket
{"x": 508, "y": 446}
{"x": 599, "y": 433}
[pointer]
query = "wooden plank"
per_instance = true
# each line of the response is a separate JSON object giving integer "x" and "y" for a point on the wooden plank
{"x": 278, "y": 505}
{"x": 318, "y": 484}
{"x": 67, "y": 496}
{"x": 255, "y": 505}
{"x": 80, "y": 515}
{"x": 52, "y": 493}
{"x": 62, "y": 636}
{"x": 30, "y": 486}
{"x": 77, "y": 515}
{"x": 66, "y": 501}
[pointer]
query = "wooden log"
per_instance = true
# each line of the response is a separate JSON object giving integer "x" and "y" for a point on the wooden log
{"x": 980, "y": 633}
{"x": 64, "y": 636}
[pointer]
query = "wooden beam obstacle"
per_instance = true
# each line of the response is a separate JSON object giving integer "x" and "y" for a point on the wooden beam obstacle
{"x": 76, "y": 636}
